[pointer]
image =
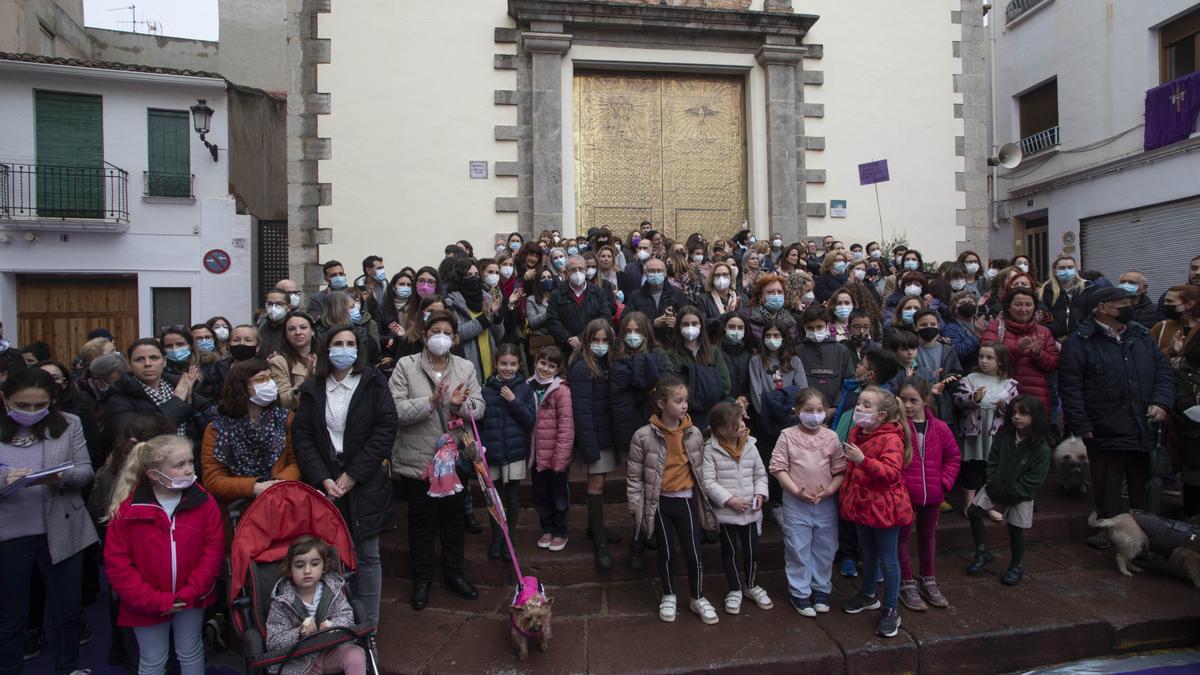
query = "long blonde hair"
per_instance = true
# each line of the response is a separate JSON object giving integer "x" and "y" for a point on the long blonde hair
{"x": 146, "y": 455}
{"x": 890, "y": 406}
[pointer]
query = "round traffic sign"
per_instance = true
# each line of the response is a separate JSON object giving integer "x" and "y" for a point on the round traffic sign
{"x": 217, "y": 261}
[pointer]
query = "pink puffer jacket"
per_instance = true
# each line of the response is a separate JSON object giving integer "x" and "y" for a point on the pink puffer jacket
{"x": 934, "y": 466}
{"x": 554, "y": 433}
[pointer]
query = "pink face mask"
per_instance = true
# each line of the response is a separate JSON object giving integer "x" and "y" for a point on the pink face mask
{"x": 425, "y": 289}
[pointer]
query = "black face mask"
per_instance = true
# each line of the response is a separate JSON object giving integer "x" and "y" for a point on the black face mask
{"x": 967, "y": 311}
{"x": 1125, "y": 314}
{"x": 471, "y": 286}
{"x": 858, "y": 340}
{"x": 242, "y": 352}
{"x": 928, "y": 334}
{"x": 1172, "y": 312}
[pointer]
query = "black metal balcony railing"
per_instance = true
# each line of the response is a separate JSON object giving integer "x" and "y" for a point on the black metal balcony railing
{"x": 163, "y": 184}
{"x": 35, "y": 192}
{"x": 1042, "y": 140}
{"x": 1018, "y": 7}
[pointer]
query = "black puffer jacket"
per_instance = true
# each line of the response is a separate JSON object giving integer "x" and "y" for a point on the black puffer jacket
{"x": 737, "y": 361}
{"x": 371, "y": 427}
{"x": 591, "y": 402}
{"x": 565, "y": 319}
{"x": 630, "y": 381}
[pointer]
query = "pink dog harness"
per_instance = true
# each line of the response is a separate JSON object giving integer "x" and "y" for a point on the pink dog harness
{"x": 528, "y": 589}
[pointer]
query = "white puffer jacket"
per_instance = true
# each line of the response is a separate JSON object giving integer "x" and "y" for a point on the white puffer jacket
{"x": 724, "y": 477}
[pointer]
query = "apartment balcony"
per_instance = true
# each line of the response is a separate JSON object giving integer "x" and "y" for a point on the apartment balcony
{"x": 64, "y": 197}
{"x": 168, "y": 187}
{"x": 1039, "y": 142}
{"x": 1017, "y": 8}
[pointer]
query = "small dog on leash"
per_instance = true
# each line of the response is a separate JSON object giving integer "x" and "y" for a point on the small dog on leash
{"x": 1070, "y": 457}
{"x": 1129, "y": 539}
{"x": 530, "y": 617}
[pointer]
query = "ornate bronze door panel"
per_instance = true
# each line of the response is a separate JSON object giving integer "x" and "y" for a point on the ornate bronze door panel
{"x": 667, "y": 148}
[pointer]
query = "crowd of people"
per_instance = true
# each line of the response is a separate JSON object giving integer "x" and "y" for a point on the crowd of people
{"x": 843, "y": 392}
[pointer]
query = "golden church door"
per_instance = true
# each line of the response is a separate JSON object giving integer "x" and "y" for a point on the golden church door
{"x": 668, "y": 148}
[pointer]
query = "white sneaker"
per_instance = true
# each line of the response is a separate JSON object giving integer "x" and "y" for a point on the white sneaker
{"x": 704, "y": 609}
{"x": 667, "y": 608}
{"x": 759, "y": 595}
{"x": 733, "y": 602}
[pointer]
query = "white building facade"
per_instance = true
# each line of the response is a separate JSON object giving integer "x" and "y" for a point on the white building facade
{"x": 113, "y": 212}
{"x": 1072, "y": 80}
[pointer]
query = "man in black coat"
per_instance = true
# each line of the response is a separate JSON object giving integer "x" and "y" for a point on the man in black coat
{"x": 1114, "y": 381}
{"x": 573, "y": 304}
{"x": 658, "y": 300}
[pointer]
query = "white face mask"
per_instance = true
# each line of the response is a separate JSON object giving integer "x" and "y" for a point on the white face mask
{"x": 912, "y": 289}
{"x": 591, "y": 273}
{"x": 275, "y": 312}
{"x": 735, "y": 336}
{"x": 690, "y": 332}
{"x": 860, "y": 274}
{"x": 294, "y": 300}
{"x": 440, "y": 344}
{"x": 992, "y": 273}
{"x": 697, "y": 259}
{"x": 506, "y": 271}
{"x": 578, "y": 278}
{"x": 809, "y": 297}
{"x": 1024, "y": 267}
{"x": 491, "y": 280}
{"x": 817, "y": 335}
{"x": 721, "y": 282}
{"x": 958, "y": 284}
{"x": 265, "y": 393}
{"x": 773, "y": 344}
{"x": 972, "y": 267}
{"x": 222, "y": 333}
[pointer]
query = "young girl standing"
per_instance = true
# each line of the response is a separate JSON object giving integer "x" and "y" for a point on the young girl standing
{"x": 509, "y": 414}
{"x": 874, "y": 498}
{"x": 982, "y": 397}
{"x": 1016, "y": 468}
{"x": 928, "y": 478}
{"x": 809, "y": 465}
{"x": 164, "y": 548}
{"x": 663, "y": 488}
{"x": 591, "y": 401}
{"x": 735, "y": 482}
{"x": 553, "y": 436}
{"x": 309, "y": 597}
{"x": 692, "y": 358}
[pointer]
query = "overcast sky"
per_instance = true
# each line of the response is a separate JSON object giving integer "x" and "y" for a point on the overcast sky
{"x": 195, "y": 19}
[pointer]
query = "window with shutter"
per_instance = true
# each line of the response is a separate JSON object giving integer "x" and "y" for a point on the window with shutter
{"x": 70, "y": 155}
{"x": 169, "y": 161}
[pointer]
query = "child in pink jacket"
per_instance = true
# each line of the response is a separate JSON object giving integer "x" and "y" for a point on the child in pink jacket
{"x": 553, "y": 439}
{"x": 928, "y": 477}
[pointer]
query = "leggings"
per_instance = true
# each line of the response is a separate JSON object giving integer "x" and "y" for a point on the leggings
{"x": 677, "y": 516}
{"x": 879, "y": 550}
{"x": 926, "y": 524}
{"x": 745, "y": 537}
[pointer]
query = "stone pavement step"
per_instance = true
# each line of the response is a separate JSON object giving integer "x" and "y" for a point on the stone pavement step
{"x": 1072, "y": 605}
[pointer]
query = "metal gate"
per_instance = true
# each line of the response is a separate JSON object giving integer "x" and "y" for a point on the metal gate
{"x": 1158, "y": 240}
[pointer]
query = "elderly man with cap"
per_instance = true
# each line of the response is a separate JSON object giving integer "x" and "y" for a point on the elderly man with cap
{"x": 1114, "y": 382}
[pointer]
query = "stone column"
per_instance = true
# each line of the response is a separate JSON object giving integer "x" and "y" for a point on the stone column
{"x": 780, "y": 61}
{"x": 546, "y": 48}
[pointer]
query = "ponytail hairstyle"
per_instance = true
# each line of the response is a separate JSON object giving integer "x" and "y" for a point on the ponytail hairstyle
{"x": 665, "y": 386}
{"x": 306, "y": 544}
{"x": 143, "y": 426}
{"x": 144, "y": 456}
{"x": 890, "y": 406}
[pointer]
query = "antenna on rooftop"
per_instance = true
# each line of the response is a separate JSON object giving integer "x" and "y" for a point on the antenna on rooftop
{"x": 151, "y": 26}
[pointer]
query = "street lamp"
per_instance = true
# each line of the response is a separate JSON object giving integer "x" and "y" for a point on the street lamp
{"x": 201, "y": 117}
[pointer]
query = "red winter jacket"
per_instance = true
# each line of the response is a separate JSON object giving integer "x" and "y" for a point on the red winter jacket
{"x": 1029, "y": 370}
{"x": 152, "y": 561}
{"x": 934, "y": 466}
{"x": 554, "y": 434}
{"x": 874, "y": 494}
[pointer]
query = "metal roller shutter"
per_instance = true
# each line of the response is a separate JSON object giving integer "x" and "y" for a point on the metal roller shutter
{"x": 1159, "y": 240}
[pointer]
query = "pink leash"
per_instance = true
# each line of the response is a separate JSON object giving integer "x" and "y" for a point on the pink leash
{"x": 494, "y": 498}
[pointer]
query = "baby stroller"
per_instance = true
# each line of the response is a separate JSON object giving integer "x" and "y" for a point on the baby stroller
{"x": 265, "y": 530}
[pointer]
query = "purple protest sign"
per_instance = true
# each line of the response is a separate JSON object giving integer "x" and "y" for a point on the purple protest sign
{"x": 873, "y": 172}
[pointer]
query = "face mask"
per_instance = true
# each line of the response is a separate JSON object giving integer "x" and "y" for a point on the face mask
{"x": 972, "y": 267}
{"x": 812, "y": 420}
{"x": 874, "y": 254}
{"x": 733, "y": 270}
{"x": 752, "y": 240}
{"x": 591, "y": 273}
{"x": 500, "y": 249}
{"x": 857, "y": 255}
{"x": 735, "y": 336}
{"x": 808, "y": 298}
{"x": 655, "y": 278}
{"x": 179, "y": 355}
{"x": 26, "y": 418}
{"x": 863, "y": 418}
{"x": 404, "y": 292}
{"x": 206, "y": 345}
{"x": 842, "y": 312}
{"x": 1125, "y": 314}
{"x": 560, "y": 263}
{"x": 600, "y": 349}
{"x": 697, "y": 259}
{"x": 343, "y": 357}
{"x": 276, "y": 313}
{"x": 992, "y": 273}
{"x": 425, "y": 316}
{"x": 222, "y": 333}
{"x": 1024, "y": 267}
{"x": 643, "y": 254}
{"x": 1064, "y": 275}
{"x": 773, "y": 344}
{"x": 690, "y": 332}
{"x": 556, "y": 237}
{"x": 440, "y": 344}
{"x": 337, "y": 282}
{"x": 355, "y": 314}
{"x": 773, "y": 302}
{"x": 967, "y": 311}
{"x": 634, "y": 340}
{"x": 491, "y": 280}
{"x": 913, "y": 289}
{"x": 776, "y": 243}
{"x": 1128, "y": 287}
{"x": 514, "y": 246}
{"x": 907, "y": 316}
{"x": 860, "y": 274}
{"x": 506, "y": 271}
{"x": 425, "y": 289}
{"x": 721, "y": 283}
{"x": 635, "y": 240}
{"x": 242, "y": 352}
{"x": 958, "y": 284}
{"x": 380, "y": 275}
{"x": 928, "y": 334}
{"x": 1172, "y": 312}
{"x": 573, "y": 250}
{"x": 578, "y": 278}
{"x": 265, "y": 393}
{"x": 910, "y": 264}
{"x": 817, "y": 335}
{"x": 548, "y": 284}
{"x": 294, "y": 300}
{"x": 857, "y": 340}
{"x": 169, "y": 483}
{"x": 620, "y": 295}
{"x": 839, "y": 267}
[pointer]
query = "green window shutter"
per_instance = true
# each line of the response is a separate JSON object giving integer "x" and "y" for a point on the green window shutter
{"x": 70, "y": 154}
{"x": 169, "y": 160}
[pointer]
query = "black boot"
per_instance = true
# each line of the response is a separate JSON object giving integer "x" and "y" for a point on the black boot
{"x": 471, "y": 525}
{"x": 595, "y": 509}
{"x": 496, "y": 546}
{"x": 983, "y": 558}
{"x": 637, "y": 554}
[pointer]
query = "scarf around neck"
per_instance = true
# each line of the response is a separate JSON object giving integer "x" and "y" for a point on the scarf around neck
{"x": 251, "y": 448}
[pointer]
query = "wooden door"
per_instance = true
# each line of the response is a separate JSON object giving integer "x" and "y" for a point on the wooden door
{"x": 62, "y": 310}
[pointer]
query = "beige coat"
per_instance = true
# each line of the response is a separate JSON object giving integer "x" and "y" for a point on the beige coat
{"x": 412, "y": 388}
{"x": 287, "y": 380}
{"x": 647, "y": 454}
{"x": 725, "y": 477}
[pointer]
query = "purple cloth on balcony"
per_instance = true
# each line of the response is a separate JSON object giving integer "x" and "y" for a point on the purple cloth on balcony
{"x": 1171, "y": 111}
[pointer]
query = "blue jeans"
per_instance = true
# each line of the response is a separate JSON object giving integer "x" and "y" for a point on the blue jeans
{"x": 810, "y": 534}
{"x": 879, "y": 547}
{"x": 154, "y": 644}
{"x": 63, "y": 591}
{"x": 369, "y": 584}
